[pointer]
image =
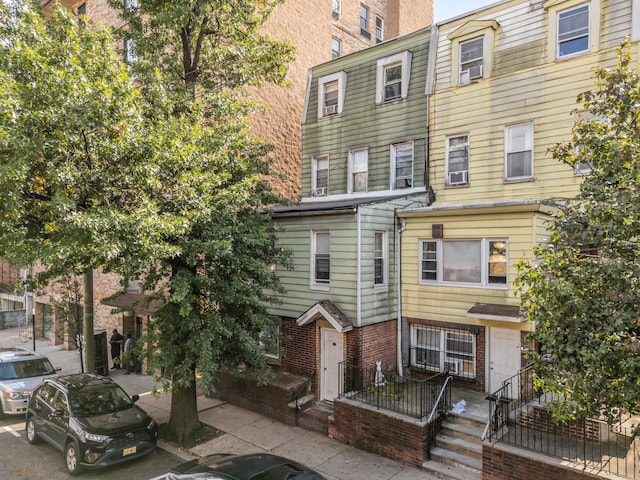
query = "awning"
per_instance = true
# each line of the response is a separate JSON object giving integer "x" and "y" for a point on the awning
{"x": 494, "y": 311}
{"x": 328, "y": 310}
{"x": 135, "y": 302}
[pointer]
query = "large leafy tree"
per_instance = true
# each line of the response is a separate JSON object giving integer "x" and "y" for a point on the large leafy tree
{"x": 203, "y": 58}
{"x": 78, "y": 157}
{"x": 583, "y": 289}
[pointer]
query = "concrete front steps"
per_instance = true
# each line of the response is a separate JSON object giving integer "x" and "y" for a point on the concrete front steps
{"x": 457, "y": 454}
{"x": 316, "y": 418}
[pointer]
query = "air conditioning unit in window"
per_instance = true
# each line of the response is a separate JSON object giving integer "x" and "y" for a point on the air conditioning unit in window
{"x": 331, "y": 109}
{"x": 458, "y": 178}
{"x": 321, "y": 191}
{"x": 474, "y": 73}
{"x": 453, "y": 365}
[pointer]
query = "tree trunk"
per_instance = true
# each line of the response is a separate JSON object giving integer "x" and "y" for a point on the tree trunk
{"x": 183, "y": 422}
{"x": 87, "y": 323}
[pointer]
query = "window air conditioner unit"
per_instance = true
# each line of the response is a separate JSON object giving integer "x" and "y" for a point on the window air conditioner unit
{"x": 458, "y": 178}
{"x": 321, "y": 191}
{"x": 404, "y": 182}
{"x": 475, "y": 72}
{"x": 331, "y": 109}
{"x": 453, "y": 365}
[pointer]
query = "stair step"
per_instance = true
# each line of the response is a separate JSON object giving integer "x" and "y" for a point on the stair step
{"x": 462, "y": 430}
{"x": 455, "y": 459}
{"x": 316, "y": 418}
{"x": 469, "y": 418}
{"x": 460, "y": 445}
{"x": 448, "y": 472}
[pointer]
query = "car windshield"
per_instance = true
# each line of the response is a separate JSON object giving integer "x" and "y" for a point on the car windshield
{"x": 99, "y": 400}
{"x": 26, "y": 369}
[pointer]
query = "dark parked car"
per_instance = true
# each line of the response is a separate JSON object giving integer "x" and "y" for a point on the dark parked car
{"x": 21, "y": 370}
{"x": 91, "y": 419}
{"x": 254, "y": 466}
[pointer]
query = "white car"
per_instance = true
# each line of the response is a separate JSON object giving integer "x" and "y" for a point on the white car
{"x": 21, "y": 371}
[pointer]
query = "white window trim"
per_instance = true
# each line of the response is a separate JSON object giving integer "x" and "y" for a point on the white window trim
{"x": 404, "y": 58}
{"x": 484, "y": 264}
{"x": 507, "y": 151}
{"x": 392, "y": 155}
{"x": 385, "y": 259}
{"x": 460, "y": 44}
{"x": 380, "y": 38}
{"x": 314, "y": 174}
{"x": 350, "y": 169}
{"x": 447, "y": 181}
{"x": 442, "y": 332}
{"x": 554, "y": 7}
{"x": 469, "y": 31}
{"x": 341, "y": 77}
{"x": 313, "y": 284}
{"x": 336, "y": 53}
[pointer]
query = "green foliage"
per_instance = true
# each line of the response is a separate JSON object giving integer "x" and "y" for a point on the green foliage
{"x": 582, "y": 291}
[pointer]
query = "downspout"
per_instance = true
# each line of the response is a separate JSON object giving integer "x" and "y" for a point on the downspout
{"x": 358, "y": 267}
{"x": 399, "y": 231}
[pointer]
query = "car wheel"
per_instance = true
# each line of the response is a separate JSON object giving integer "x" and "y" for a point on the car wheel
{"x": 72, "y": 458}
{"x": 32, "y": 434}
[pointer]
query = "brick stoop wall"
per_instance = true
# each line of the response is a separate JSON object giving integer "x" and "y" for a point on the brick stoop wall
{"x": 270, "y": 400}
{"x": 505, "y": 462}
{"x": 391, "y": 435}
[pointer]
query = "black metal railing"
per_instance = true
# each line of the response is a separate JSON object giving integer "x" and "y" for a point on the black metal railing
{"x": 388, "y": 391}
{"x": 519, "y": 416}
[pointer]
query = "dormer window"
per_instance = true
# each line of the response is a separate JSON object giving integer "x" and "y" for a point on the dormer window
{"x": 471, "y": 59}
{"x": 393, "y": 77}
{"x": 331, "y": 94}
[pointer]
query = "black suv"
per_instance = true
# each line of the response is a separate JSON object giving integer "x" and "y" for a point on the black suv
{"x": 92, "y": 419}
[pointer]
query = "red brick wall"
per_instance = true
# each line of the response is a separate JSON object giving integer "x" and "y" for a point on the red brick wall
{"x": 538, "y": 418}
{"x": 392, "y": 436}
{"x": 507, "y": 463}
{"x": 299, "y": 349}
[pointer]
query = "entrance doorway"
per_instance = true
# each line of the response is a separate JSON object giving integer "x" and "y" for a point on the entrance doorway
{"x": 331, "y": 354}
{"x": 505, "y": 357}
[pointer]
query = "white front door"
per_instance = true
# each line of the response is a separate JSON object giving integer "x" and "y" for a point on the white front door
{"x": 331, "y": 354}
{"x": 505, "y": 357}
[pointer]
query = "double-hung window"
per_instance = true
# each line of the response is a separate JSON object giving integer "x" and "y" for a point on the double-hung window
{"x": 471, "y": 59}
{"x": 573, "y": 31}
{"x": 380, "y": 258}
{"x": 336, "y": 47}
{"x": 364, "y": 20}
{"x": 473, "y": 262}
{"x": 130, "y": 55}
{"x": 320, "y": 258}
{"x": 392, "y": 77}
{"x": 337, "y": 6}
{"x": 331, "y": 94}
{"x": 358, "y": 171}
{"x": 320, "y": 178}
{"x": 401, "y": 165}
{"x": 379, "y": 29}
{"x": 270, "y": 338}
{"x": 438, "y": 349}
{"x": 519, "y": 152}
{"x": 457, "y": 160}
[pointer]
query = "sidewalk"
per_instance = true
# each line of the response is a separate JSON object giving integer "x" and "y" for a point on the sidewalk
{"x": 244, "y": 431}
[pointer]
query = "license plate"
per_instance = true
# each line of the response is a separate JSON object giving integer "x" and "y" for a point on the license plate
{"x": 128, "y": 451}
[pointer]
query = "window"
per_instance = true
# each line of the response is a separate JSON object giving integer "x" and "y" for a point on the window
{"x": 573, "y": 31}
{"x": 380, "y": 261}
{"x": 337, "y": 6}
{"x": 401, "y": 166}
{"x": 336, "y": 47}
{"x": 583, "y": 166}
{"x": 82, "y": 9}
{"x": 320, "y": 178}
{"x": 379, "y": 29}
{"x": 130, "y": 55}
{"x": 364, "y": 20}
{"x": 443, "y": 350}
{"x": 270, "y": 338}
{"x": 358, "y": 171}
{"x": 392, "y": 77}
{"x": 321, "y": 259}
{"x": 457, "y": 160}
{"x": 519, "y": 152}
{"x": 130, "y": 5}
{"x": 468, "y": 262}
{"x": 471, "y": 59}
{"x": 331, "y": 94}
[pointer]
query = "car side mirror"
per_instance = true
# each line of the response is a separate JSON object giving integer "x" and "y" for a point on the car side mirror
{"x": 135, "y": 398}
